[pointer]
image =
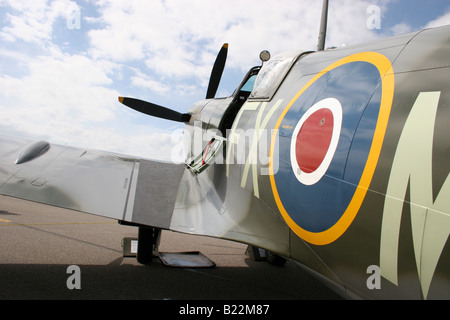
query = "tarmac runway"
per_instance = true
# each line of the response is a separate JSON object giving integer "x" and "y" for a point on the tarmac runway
{"x": 39, "y": 243}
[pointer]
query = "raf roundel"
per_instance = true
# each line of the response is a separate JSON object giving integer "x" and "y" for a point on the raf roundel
{"x": 315, "y": 140}
{"x": 326, "y": 144}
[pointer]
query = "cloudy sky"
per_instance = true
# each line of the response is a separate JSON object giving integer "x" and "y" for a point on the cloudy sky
{"x": 64, "y": 63}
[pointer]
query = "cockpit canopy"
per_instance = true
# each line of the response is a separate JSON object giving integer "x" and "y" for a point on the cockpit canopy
{"x": 272, "y": 74}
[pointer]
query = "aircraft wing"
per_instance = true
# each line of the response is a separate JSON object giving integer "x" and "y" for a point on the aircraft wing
{"x": 159, "y": 194}
{"x": 107, "y": 184}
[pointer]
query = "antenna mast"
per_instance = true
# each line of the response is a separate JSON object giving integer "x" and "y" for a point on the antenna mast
{"x": 323, "y": 26}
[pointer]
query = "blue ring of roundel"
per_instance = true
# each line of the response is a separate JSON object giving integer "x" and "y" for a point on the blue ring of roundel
{"x": 316, "y": 208}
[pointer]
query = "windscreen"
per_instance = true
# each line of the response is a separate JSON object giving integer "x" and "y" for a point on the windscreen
{"x": 272, "y": 74}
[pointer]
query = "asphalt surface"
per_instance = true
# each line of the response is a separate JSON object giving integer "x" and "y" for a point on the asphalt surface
{"x": 39, "y": 243}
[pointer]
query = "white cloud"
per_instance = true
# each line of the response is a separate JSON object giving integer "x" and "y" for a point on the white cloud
{"x": 162, "y": 49}
{"x": 159, "y": 46}
{"x": 143, "y": 81}
{"x": 181, "y": 38}
{"x": 35, "y": 20}
{"x": 59, "y": 95}
{"x": 401, "y": 28}
{"x": 443, "y": 20}
{"x": 178, "y": 40}
{"x": 63, "y": 83}
{"x": 347, "y": 22}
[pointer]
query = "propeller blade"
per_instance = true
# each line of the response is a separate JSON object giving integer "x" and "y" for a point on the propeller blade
{"x": 155, "y": 110}
{"x": 217, "y": 71}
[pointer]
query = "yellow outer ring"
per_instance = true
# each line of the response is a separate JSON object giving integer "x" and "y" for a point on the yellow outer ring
{"x": 333, "y": 233}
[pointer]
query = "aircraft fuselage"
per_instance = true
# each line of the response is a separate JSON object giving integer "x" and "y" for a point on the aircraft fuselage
{"x": 341, "y": 165}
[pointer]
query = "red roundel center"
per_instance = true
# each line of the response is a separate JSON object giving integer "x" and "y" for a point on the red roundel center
{"x": 313, "y": 140}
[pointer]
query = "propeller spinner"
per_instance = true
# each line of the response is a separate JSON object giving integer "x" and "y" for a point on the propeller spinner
{"x": 155, "y": 110}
